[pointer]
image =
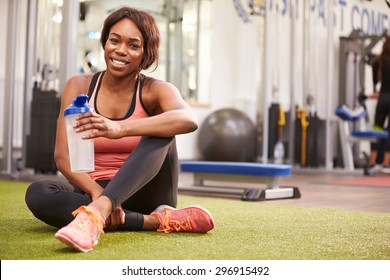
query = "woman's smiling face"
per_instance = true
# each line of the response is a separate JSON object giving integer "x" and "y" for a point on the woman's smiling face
{"x": 123, "y": 51}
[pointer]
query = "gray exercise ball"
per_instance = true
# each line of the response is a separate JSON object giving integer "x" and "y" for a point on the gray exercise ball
{"x": 227, "y": 135}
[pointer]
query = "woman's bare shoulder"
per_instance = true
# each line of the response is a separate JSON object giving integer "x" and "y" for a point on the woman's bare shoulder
{"x": 80, "y": 82}
{"x": 80, "y": 79}
{"x": 157, "y": 85}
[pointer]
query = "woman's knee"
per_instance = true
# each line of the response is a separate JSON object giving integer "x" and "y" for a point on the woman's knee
{"x": 38, "y": 194}
{"x": 35, "y": 195}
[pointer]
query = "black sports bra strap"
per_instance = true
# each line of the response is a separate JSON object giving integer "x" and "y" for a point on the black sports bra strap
{"x": 93, "y": 83}
{"x": 142, "y": 82}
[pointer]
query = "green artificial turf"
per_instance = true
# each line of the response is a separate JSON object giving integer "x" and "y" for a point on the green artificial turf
{"x": 243, "y": 231}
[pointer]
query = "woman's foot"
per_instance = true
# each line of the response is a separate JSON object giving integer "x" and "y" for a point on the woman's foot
{"x": 189, "y": 219}
{"x": 369, "y": 170}
{"x": 386, "y": 169}
{"x": 83, "y": 232}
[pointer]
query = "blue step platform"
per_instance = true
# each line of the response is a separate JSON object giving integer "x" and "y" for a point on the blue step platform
{"x": 264, "y": 179}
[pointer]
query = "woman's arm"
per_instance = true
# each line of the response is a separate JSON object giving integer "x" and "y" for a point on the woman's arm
{"x": 73, "y": 87}
{"x": 170, "y": 116}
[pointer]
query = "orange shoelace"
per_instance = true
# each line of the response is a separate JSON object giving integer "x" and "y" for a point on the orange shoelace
{"x": 175, "y": 225}
{"x": 84, "y": 223}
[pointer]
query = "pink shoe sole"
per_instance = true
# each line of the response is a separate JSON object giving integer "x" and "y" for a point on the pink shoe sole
{"x": 65, "y": 239}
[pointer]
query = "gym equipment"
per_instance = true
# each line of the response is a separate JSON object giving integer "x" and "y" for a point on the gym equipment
{"x": 265, "y": 177}
{"x": 355, "y": 55}
{"x": 40, "y": 143}
{"x": 309, "y": 139}
{"x": 227, "y": 135}
{"x": 348, "y": 138}
{"x": 304, "y": 124}
{"x": 277, "y": 143}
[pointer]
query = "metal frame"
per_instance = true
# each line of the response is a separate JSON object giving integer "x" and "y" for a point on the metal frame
{"x": 9, "y": 87}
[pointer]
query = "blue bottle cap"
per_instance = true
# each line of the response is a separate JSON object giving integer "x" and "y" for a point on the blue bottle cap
{"x": 78, "y": 106}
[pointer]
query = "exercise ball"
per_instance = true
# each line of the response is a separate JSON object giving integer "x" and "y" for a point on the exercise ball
{"x": 227, "y": 135}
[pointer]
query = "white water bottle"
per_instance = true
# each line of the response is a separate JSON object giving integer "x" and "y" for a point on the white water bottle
{"x": 279, "y": 152}
{"x": 81, "y": 151}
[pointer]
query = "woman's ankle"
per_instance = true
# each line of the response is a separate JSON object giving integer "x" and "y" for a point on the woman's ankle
{"x": 151, "y": 222}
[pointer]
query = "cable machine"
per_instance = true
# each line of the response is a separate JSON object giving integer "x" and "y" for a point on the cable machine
{"x": 355, "y": 55}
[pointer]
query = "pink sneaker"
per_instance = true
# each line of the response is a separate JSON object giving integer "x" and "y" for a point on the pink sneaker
{"x": 190, "y": 219}
{"x": 83, "y": 232}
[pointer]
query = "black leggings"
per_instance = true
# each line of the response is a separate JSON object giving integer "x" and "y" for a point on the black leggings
{"x": 382, "y": 111}
{"x": 147, "y": 179}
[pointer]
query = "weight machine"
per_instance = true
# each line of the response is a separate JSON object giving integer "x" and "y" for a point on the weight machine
{"x": 355, "y": 55}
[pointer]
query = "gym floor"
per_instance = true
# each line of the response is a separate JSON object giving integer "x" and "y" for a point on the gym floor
{"x": 319, "y": 188}
{"x": 322, "y": 189}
